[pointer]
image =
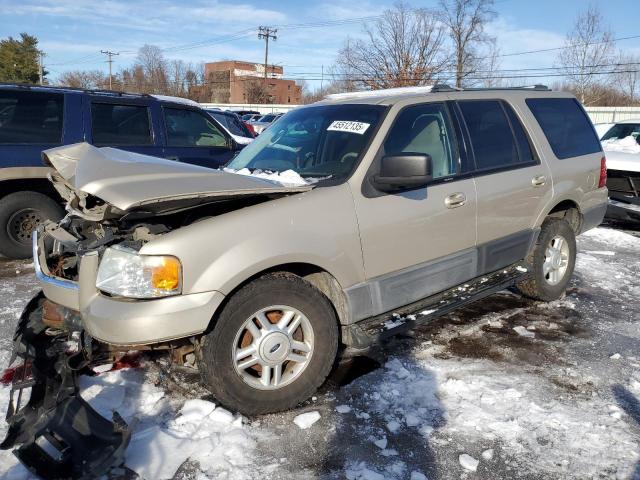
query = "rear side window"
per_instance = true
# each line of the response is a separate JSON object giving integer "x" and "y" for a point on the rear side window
{"x": 565, "y": 125}
{"x": 31, "y": 117}
{"x": 492, "y": 140}
{"x": 115, "y": 124}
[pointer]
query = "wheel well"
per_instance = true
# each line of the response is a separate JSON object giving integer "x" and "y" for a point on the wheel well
{"x": 568, "y": 210}
{"x": 318, "y": 277}
{"x": 40, "y": 185}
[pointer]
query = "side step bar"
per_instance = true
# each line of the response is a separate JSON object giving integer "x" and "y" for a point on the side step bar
{"x": 366, "y": 333}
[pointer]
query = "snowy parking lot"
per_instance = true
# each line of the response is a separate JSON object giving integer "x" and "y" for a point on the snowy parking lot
{"x": 506, "y": 388}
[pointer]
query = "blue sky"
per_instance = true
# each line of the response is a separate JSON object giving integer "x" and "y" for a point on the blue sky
{"x": 72, "y": 32}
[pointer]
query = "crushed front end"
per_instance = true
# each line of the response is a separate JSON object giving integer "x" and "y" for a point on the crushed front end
{"x": 624, "y": 195}
{"x": 58, "y": 435}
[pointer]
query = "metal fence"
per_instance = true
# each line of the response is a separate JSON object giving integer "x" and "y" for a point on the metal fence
{"x": 597, "y": 114}
{"x": 612, "y": 114}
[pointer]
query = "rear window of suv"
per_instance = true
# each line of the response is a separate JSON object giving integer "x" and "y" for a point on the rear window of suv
{"x": 30, "y": 117}
{"x": 566, "y": 126}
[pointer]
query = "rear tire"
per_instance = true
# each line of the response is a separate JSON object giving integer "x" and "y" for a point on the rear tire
{"x": 553, "y": 260}
{"x": 285, "y": 330}
{"x": 20, "y": 213}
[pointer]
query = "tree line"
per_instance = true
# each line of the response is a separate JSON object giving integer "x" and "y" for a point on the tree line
{"x": 404, "y": 46}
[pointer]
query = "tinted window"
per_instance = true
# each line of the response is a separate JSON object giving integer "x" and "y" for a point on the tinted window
{"x": 491, "y": 137}
{"x": 189, "y": 128}
{"x": 525, "y": 152}
{"x": 425, "y": 129}
{"x": 30, "y": 117}
{"x": 566, "y": 126}
{"x": 114, "y": 124}
{"x": 232, "y": 123}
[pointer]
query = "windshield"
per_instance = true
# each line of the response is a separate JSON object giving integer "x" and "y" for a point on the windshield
{"x": 267, "y": 118}
{"x": 231, "y": 122}
{"x": 317, "y": 141}
{"x": 623, "y": 130}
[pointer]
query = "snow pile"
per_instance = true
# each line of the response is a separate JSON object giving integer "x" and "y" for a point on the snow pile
{"x": 288, "y": 178}
{"x": 625, "y": 145}
{"x": 305, "y": 420}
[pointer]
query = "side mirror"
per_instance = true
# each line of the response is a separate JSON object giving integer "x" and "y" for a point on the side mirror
{"x": 407, "y": 170}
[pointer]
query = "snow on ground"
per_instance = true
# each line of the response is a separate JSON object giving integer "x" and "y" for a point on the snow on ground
{"x": 525, "y": 389}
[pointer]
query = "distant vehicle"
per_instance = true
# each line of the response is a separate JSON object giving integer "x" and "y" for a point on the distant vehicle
{"x": 621, "y": 144}
{"x": 265, "y": 121}
{"x": 35, "y": 118}
{"x": 233, "y": 124}
{"x": 245, "y": 112}
{"x": 250, "y": 116}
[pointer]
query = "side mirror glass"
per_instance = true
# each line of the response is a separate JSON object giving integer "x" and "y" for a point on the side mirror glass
{"x": 404, "y": 171}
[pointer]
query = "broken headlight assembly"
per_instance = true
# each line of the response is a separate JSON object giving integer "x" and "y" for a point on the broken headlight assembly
{"x": 124, "y": 272}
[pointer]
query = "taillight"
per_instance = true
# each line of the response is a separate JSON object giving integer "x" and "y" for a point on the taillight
{"x": 250, "y": 128}
{"x": 603, "y": 173}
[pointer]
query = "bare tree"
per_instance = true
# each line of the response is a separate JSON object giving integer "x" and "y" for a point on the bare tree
{"x": 466, "y": 21}
{"x": 84, "y": 79}
{"x": 587, "y": 55}
{"x": 154, "y": 67}
{"x": 627, "y": 77}
{"x": 256, "y": 92}
{"x": 404, "y": 48}
{"x": 490, "y": 76}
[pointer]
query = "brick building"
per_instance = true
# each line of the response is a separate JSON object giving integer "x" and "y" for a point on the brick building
{"x": 233, "y": 81}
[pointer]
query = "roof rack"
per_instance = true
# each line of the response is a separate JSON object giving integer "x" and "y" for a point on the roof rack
{"x": 441, "y": 87}
{"x": 28, "y": 86}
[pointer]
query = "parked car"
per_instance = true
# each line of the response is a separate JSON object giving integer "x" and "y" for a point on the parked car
{"x": 233, "y": 125}
{"x": 388, "y": 203}
{"x": 265, "y": 121}
{"x": 250, "y": 116}
{"x": 621, "y": 143}
{"x": 246, "y": 112}
{"x": 33, "y": 119}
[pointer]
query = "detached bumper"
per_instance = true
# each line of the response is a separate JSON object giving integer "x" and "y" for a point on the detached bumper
{"x": 58, "y": 434}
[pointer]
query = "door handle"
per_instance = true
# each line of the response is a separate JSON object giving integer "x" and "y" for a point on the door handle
{"x": 538, "y": 181}
{"x": 172, "y": 157}
{"x": 455, "y": 200}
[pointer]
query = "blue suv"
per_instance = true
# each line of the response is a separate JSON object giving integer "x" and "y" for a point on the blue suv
{"x": 34, "y": 118}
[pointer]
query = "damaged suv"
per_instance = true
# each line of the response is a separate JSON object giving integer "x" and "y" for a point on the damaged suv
{"x": 321, "y": 236}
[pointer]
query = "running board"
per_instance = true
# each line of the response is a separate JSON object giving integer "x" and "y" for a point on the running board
{"x": 366, "y": 333}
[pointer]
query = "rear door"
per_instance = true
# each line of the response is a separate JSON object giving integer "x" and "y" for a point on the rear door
{"x": 32, "y": 121}
{"x": 512, "y": 183}
{"x": 124, "y": 123}
{"x": 193, "y": 137}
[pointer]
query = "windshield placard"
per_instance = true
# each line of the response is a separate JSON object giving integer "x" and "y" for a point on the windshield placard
{"x": 348, "y": 126}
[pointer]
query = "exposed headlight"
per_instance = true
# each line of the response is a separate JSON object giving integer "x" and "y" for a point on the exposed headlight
{"x": 124, "y": 272}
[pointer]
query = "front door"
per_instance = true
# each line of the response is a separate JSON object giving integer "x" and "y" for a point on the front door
{"x": 191, "y": 137}
{"x": 419, "y": 242}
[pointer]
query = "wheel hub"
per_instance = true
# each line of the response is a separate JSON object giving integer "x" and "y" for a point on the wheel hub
{"x": 556, "y": 260}
{"x": 22, "y": 223}
{"x": 274, "y": 348}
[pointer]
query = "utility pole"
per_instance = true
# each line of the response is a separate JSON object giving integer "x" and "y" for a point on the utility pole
{"x": 266, "y": 33}
{"x": 109, "y": 61}
{"x": 40, "y": 68}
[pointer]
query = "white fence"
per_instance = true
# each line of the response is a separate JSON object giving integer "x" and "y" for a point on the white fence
{"x": 597, "y": 114}
{"x": 612, "y": 114}
{"x": 264, "y": 109}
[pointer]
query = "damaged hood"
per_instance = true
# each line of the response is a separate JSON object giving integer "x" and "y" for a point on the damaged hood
{"x": 129, "y": 180}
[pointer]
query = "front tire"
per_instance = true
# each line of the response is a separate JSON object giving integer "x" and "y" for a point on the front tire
{"x": 272, "y": 346}
{"x": 553, "y": 260}
{"x": 20, "y": 213}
